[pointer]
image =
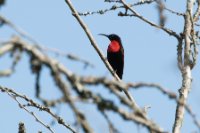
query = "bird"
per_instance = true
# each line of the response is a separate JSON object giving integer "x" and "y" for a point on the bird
{"x": 115, "y": 53}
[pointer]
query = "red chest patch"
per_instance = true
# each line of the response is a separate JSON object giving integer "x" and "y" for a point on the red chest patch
{"x": 114, "y": 46}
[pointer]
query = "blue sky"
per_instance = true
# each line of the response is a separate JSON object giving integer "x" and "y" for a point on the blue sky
{"x": 150, "y": 56}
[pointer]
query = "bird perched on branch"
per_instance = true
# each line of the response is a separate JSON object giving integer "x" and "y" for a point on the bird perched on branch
{"x": 115, "y": 54}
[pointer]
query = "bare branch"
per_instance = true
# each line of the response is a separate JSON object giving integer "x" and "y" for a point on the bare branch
{"x": 111, "y": 84}
{"x": 186, "y": 71}
{"x": 56, "y": 51}
{"x": 170, "y": 32}
{"x": 17, "y": 29}
{"x": 104, "y": 104}
{"x": 30, "y": 102}
{"x": 189, "y": 110}
{"x": 197, "y": 13}
{"x": 9, "y": 92}
{"x": 69, "y": 56}
{"x": 174, "y": 12}
{"x": 115, "y": 7}
{"x": 112, "y": 128}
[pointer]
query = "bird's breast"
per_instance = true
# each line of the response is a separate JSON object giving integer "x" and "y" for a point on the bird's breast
{"x": 114, "y": 46}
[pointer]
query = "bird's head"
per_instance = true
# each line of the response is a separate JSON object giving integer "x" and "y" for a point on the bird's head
{"x": 112, "y": 37}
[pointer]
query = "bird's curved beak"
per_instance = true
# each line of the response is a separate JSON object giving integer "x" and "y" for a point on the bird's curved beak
{"x": 104, "y": 35}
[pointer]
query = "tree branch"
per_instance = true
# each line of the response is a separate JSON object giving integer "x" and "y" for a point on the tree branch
{"x": 25, "y": 35}
{"x": 170, "y": 32}
{"x": 186, "y": 71}
{"x": 31, "y": 102}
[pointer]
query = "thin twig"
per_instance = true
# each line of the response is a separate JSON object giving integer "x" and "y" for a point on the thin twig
{"x": 44, "y": 48}
{"x": 174, "y": 12}
{"x": 69, "y": 56}
{"x": 170, "y": 32}
{"x": 17, "y": 29}
{"x": 197, "y": 12}
{"x": 110, "y": 124}
{"x": 15, "y": 95}
{"x": 115, "y": 7}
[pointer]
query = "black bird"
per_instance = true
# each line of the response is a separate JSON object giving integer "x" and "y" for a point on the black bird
{"x": 115, "y": 54}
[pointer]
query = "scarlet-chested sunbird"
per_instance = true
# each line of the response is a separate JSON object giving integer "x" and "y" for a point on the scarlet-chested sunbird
{"x": 115, "y": 54}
